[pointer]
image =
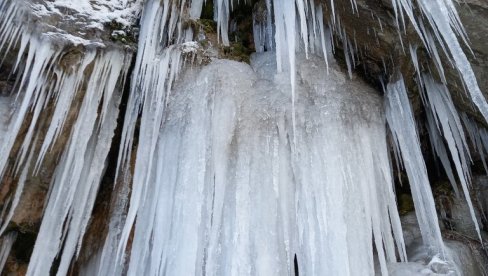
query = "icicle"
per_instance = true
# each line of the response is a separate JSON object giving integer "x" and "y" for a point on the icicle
{"x": 261, "y": 34}
{"x": 196, "y": 8}
{"x": 222, "y": 14}
{"x": 151, "y": 85}
{"x": 5, "y": 246}
{"x": 39, "y": 57}
{"x": 42, "y": 81}
{"x": 445, "y": 22}
{"x": 402, "y": 125}
{"x": 226, "y": 196}
{"x": 109, "y": 265}
{"x": 437, "y": 144}
{"x": 477, "y": 136}
{"x": 80, "y": 169}
{"x": 18, "y": 192}
{"x": 325, "y": 42}
{"x": 447, "y": 120}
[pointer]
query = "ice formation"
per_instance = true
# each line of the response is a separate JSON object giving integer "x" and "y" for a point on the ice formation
{"x": 405, "y": 139}
{"x": 447, "y": 120}
{"x": 5, "y": 246}
{"x": 243, "y": 169}
{"x": 227, "y": 195}
{"x": 446, "y": 26}
{"x": 48, "y": 79}
{"x": 478, "y": 136}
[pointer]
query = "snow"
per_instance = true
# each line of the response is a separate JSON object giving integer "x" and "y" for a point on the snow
{"x": 95, "y": 12}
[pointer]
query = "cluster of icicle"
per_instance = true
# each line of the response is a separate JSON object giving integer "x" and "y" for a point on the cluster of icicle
{"x": 90, "y": 84}
{"x": 227, "y": 183}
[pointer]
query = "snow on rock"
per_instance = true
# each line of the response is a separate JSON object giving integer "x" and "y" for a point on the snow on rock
{"x": 76, "y": 22}
{"x": 93, "y": 13}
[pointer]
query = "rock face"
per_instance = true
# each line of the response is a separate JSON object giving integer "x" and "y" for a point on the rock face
{"x": 374, "y": 30}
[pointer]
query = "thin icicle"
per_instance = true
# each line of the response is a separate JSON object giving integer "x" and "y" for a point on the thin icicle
{"x": 437, "y": 144}
{"x": 448, "y": 121}
{"x": 6, "y": 244}
{"x": 446, "y": 24}
{"x": 478, "y": 137}
{"x": 78, "y": 175}
{"x": 222, "y": 15}
{"x": 402, "y": 125}
{"x": 39, "y": 58}
{"x": 152, "y": 80}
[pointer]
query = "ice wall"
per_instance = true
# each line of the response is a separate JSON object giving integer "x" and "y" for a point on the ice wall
{"x": 229, "y": 195}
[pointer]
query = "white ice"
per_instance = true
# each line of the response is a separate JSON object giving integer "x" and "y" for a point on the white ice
{"x": 405, "y": 137}
{"x": 448, "y": 123}
{"x": 227, "y": 195}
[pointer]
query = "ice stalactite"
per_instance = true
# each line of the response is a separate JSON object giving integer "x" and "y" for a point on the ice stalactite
{"x": 221, "y": 16}
{"x": 75, "y": 184}
{"x": 446, "y": 26}
{"x": 263, "y": 27}
{"x": 448, "y": 122}
{"x": 402, "y": 125}
{"x": 161, "y": 36}
{"x": 242, "y": 170}
{"x": 437, "y": 144}
{"x": 6, "y": 244}
{"x": 226, "y": 195}
{"x": 5, "y": 108}
{"x": 478, "y": 136}
{"x": 47, "y": 79}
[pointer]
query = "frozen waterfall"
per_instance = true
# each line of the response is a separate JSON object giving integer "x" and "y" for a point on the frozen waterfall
{"x": 221, "y": 167}
{"x": 230, "y": 195}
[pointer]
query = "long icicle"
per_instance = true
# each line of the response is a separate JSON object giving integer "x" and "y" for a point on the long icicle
{"x": 447, "y": 120}
{"x": 402, "y": 125}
